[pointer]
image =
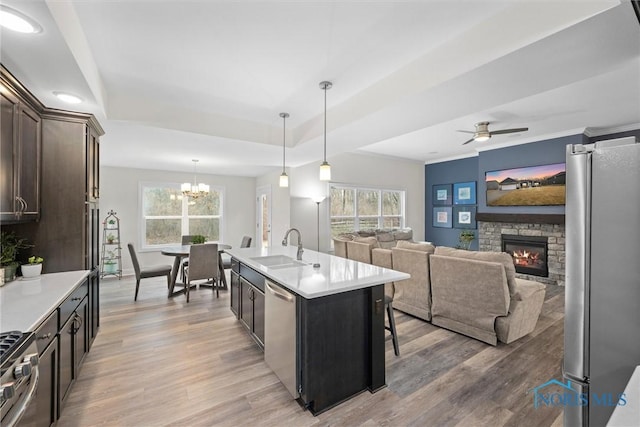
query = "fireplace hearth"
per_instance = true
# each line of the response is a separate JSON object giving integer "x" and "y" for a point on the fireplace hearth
{"x": 529, "y": 254}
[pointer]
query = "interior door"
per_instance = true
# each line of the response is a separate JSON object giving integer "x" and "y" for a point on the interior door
{"x": 263, "y": 216}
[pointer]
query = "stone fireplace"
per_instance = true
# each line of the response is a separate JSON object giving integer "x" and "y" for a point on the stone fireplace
{"x": 539, "y": 230}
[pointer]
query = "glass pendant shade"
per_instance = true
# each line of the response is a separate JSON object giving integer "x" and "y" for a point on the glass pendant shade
{"x": 325, "y": 171}
{"x": 284, "y": 180}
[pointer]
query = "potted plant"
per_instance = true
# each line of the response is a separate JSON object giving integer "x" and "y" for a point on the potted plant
{"x": 11, "y": 245}
{"x": 198, "y": 239}
{"x": 465, "y": 239}
{"x": 33, "y": 268}
{"x": 111, "y": 238}
{"x": 111, "y": 223}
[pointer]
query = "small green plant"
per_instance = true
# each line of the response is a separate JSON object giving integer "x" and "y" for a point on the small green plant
{"x": 35, "y": 260}
{"x": 198, "y": 239}
{"x": 11, "y": 245}
{"x": 110, "y": 238}
{"x": 465, "y": 239}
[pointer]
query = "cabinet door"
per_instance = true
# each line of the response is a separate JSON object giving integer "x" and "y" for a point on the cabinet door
{"x": 29, "y": 126}
{"x": 235, "y": 293}
{"x": 94, "y": 304}
{"x": 65, "y": 373}
{"x": 93, "y": 164}
{"x": 8, "y": 133}
{"x": 258, "y": 315}
{"x": 246, "y": 306}
{"x": 81, "y": 339}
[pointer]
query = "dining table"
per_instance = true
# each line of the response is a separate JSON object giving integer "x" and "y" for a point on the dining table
{"x": 179, "y": 252}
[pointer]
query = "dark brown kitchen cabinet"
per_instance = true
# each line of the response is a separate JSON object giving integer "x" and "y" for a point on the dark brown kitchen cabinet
{"x": 20, "y": 138}
{"x": 252, "y": 310}
{"x": 74, "y": 338}
{"x": 235, "y": 293}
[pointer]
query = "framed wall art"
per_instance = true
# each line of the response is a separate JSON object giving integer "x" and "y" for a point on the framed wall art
{"x": 442, "y": 217}
{"x": 464, "y": 193}
{"x": 442, "y": 195}
{"x": 464, "y": 217}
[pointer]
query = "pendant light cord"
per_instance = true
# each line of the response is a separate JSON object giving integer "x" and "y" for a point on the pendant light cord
{"x": 325, "y": 123}
{"x": 284, "y": 132}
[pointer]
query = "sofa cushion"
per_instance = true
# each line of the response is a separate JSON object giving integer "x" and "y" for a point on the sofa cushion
{"x": 405, "y": 234}
{"x": 368, "y": 240}
{"x": 424, "y": 247}
{"x": 501, "y": 257}
{"x": 385, "y": 239}
{"x": 344, "y": 237}
{"x": 366, "y": 233}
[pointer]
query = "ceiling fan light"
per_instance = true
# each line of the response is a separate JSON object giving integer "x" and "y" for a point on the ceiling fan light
{"x": 325, "y": 171}
{"x": 284, "y": 180}
{"x": 482, "y": 138}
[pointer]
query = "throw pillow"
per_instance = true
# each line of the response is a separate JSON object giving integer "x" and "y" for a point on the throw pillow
{"x": 424, "y": 247}
{"x": 369, "y": 240}
{"x": 405, "y": 234}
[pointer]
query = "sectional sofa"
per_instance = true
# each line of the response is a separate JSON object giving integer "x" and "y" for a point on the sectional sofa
{"x": 473, "y": 293}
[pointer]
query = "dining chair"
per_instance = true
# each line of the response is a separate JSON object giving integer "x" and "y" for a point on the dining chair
{"x": 246, "y": 243}
{"x": 203, "y": 265}
{"x": 148, "y": 271}
{"x": 186, "y": 240}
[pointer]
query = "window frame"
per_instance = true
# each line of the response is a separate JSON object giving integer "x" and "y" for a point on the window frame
{"x": 184, "y": 216}
{"x": 380, "y": 216}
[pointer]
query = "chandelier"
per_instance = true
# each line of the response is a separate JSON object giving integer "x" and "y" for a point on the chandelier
{"x": 194, "y": 190}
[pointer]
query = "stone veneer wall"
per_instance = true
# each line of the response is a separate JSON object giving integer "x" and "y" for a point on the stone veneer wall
{"x": 489, "y": 239}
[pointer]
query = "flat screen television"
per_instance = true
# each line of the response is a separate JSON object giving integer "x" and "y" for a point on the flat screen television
{"x": 529, "y": 186}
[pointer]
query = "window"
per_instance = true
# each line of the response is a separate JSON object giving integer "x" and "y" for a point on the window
{"x": 167, "y": 214}
{"x": 355, "y": 208}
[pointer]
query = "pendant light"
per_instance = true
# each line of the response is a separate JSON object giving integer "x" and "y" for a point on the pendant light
{"x": 284, "y": 179}
{"x": 194, "y": 190}
{"x": 325, "y": 168}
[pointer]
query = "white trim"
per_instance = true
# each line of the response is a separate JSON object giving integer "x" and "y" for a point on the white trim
{"x": 591, "y": 132}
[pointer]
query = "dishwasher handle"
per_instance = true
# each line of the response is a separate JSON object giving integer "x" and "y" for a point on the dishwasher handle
{"x": 278, "y": 292}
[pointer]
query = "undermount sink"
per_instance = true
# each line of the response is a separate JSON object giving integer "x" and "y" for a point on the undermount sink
{"x": 278, "y": 261}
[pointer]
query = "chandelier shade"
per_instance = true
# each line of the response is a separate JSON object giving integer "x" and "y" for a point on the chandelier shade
{"x": 194, "y": 190}
{"x": 325, "y": 167}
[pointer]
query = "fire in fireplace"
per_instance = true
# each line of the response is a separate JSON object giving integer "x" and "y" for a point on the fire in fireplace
{"x": 529, "y": 254}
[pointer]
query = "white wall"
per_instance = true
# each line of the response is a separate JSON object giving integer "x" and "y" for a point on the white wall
{"x": 119, "y": 191}
{"x": 280, "y": 205}
{"x": 354, "y": 169}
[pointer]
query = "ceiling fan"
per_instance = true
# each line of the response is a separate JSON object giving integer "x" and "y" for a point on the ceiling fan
{"x": 482, "y": 132}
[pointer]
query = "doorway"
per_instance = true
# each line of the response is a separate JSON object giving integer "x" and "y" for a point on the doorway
{"x": 263, "y": 216}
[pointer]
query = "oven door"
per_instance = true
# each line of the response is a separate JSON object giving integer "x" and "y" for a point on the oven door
{"x": 19, "y": 392}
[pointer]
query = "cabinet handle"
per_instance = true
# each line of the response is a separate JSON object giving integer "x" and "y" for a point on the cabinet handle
{"x": 45, "y": 337}
{"x": 76, "y": 299}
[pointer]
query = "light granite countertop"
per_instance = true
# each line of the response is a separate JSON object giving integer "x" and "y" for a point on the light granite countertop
{"x": 24, "y": 304}
{"x": 333, "y": 276}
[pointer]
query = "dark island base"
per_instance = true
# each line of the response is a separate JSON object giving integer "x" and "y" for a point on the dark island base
{"x": 341, "y": 347}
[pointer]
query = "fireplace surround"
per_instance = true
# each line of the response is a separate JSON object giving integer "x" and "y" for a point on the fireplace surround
{"x": 491, "y": 227}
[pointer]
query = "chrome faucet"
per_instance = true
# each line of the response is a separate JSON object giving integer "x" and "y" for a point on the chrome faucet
{"x": 285, "y": 242}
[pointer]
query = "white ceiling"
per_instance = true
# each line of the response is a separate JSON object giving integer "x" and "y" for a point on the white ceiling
{"x": 173, "y": 80}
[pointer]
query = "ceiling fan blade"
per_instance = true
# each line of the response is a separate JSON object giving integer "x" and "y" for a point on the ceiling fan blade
{"x": 465, "y": 143}
{"x": 515, "y": 130}
{"x": 466, "y": 131}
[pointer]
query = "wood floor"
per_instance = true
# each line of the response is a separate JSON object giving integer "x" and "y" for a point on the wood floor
{"x": 160, "y": 361}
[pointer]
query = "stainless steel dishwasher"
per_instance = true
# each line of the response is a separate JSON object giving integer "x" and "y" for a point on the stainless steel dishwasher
{"x": 280, "y": 335}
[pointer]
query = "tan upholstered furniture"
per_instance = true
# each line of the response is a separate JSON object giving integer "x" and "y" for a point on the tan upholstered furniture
{"x": 413, "y": 295}
{"x": 477, "y": 294}
{"x": 361, "y": 241}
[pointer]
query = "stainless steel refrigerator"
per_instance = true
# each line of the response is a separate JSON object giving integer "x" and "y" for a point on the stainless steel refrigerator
{"x": 602, "y": 295}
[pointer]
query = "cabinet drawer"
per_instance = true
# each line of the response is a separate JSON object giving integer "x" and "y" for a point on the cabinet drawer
{"x": 47, "y": 331}
{"x": 235, "y": 265}
{"x": 72, "y": 302}
{"x": 252, "y": 276}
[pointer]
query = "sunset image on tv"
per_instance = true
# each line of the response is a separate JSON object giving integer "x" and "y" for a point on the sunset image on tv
{"x": 530, "y": 186}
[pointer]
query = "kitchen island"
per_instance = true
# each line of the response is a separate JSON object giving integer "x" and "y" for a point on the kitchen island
{"x": 330, "y": 346}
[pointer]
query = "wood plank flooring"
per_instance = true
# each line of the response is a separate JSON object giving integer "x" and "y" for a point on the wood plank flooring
{"x": 162, "y": 362}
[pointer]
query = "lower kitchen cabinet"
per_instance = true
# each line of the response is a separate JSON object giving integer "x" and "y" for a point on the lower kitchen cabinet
{"x": 235, "y": 293}
{"x": 73, "y": 346}
{"x": 247, "y": 299}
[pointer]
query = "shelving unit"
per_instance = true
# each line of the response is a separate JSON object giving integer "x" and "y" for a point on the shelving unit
{"x": 111, "y": 259}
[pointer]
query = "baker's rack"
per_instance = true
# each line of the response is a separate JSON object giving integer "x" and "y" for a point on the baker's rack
{"x": 111, "y": 260}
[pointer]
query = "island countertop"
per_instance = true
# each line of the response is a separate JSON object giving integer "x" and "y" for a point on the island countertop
{"x": 24, "y": 304}
{"x": 335, "y": 274}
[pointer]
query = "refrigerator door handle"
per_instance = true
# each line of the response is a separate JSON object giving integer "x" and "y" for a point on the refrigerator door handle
{"x": 578, "y": 217}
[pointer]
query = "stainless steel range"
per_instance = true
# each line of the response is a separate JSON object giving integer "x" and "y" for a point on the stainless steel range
{"x": 18, "y": 375}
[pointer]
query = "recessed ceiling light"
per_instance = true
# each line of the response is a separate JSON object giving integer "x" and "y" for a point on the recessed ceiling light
{"x": 17, "y": 21}
{"x": 68, "y": 98}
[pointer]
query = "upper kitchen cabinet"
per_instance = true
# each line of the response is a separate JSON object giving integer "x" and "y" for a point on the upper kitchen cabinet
{"x": 21, "y": 152}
